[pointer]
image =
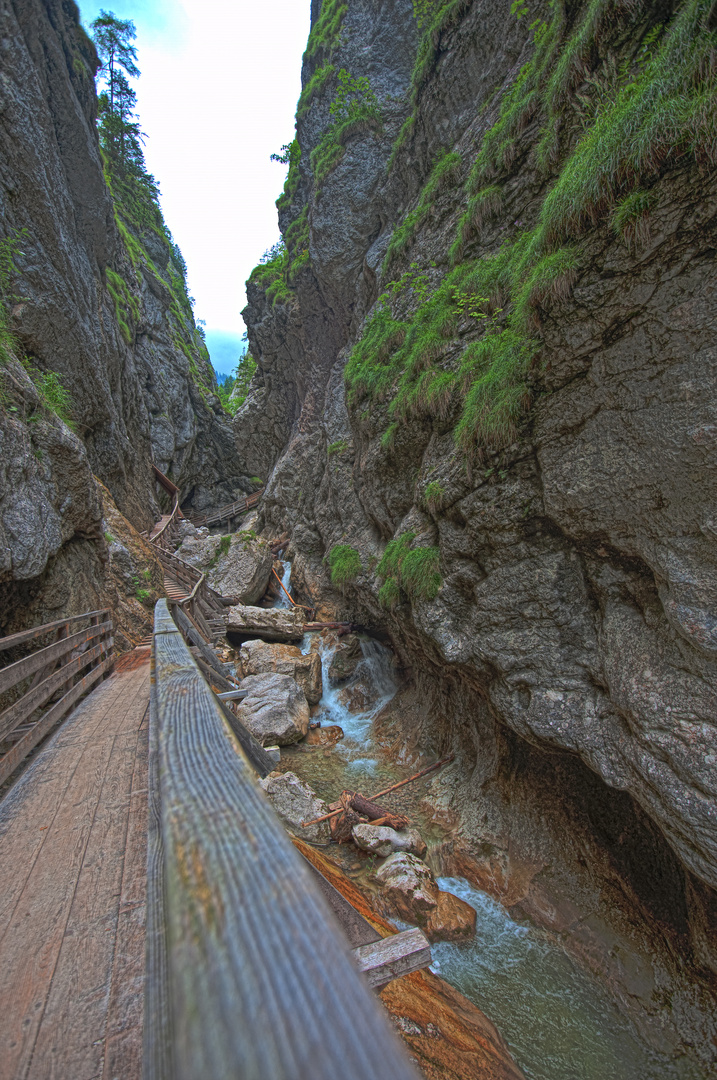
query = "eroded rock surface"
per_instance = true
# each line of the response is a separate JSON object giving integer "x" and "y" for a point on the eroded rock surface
{"x": 275, "y": 710}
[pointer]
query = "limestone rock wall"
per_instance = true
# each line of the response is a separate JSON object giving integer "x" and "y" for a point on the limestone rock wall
{"x": 577, "y": 556}
{"x": 138, "y": 393}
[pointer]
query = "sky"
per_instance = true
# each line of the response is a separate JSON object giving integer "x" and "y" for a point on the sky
{"x": 216, "y": 97}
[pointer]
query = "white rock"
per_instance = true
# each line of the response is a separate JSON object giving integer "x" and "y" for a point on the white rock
{"x": 382, "y": 840}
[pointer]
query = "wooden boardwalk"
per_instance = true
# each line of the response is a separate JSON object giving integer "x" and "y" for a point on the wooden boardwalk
{"x": 73, "y": 842}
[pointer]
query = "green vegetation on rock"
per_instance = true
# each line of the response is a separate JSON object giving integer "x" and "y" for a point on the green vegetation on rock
{"x": 138, "y": 215}
{"x": 353, "y": 109}
{"x": 415, "y": 570}
{"x": 344, "y": 564}
{"x": 467, "y": 352}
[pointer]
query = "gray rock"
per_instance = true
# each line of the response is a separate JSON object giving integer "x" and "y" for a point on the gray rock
{"x": 275, "y": 710}
{"x": 294, "y": 802}
{"x": 256, "y": 657}
{"x": 383, "y": 841}
{"x": 244, "y": 571}
{"x": 273, "y": 624}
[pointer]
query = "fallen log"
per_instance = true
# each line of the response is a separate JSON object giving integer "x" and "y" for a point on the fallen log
{"x": 344, "y": 627}
{"x": 394, "y": 787}
{"x": 373, "y": 812}
{"x": 269, "y": 624}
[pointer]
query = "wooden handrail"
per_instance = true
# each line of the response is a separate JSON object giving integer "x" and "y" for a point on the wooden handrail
{"x": 71, "y": 665}
{"x": 237, "y": 930}
{"x": 229, "y": 510}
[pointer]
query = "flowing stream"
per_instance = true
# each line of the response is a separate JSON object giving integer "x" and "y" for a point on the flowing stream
{"x": 559, "y": 1021}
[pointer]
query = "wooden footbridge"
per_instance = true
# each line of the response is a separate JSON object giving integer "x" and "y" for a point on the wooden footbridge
{"x": 155, "y": 920}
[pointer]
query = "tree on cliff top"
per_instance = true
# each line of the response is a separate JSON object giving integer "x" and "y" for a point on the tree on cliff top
{"x": 113, "y": 39}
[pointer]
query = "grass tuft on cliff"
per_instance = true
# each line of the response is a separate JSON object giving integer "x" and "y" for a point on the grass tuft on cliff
{"x": 467, "y": 349}
{"x": 415, "y": 570}
{"x": 344, "y": 564}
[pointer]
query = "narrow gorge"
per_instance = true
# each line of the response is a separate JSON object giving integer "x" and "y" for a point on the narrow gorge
{"x": 483, "y": 419}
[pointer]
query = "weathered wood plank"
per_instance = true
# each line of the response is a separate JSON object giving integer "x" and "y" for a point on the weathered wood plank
{"x": 14, "y": 673}
{"x": 123, "y": 1051}
{"x": 232, "y": 884}
{"x": 391, "y": 957}
{"x": 39, "y": 631}
{"x": 191, "y": 633}
{"x": 29, "y": 808}
{"x": 21, "y": 749}
{"x": 256, "y": 754}
{"x": 38, "y": 695}
{"x": 69, "y": 1040}
{"x": 28, "y": 960}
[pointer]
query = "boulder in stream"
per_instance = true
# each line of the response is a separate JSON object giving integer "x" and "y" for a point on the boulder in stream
{"x": 409, "y": 886}
{"x": 294, "y": 802}
{"x": 275, "y": 710}
{"x": 257, "y": 657}
{"x": 382, "y": 840}
{"x": 242, "y": 571}
{"x": 237, "y": 565}
{"x": 345, "y": 660}
{"x": 411, "y": 890}
{"x": 452, "y": 919}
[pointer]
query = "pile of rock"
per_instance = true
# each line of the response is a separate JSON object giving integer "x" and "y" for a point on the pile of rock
{"x": 409, "y": 889}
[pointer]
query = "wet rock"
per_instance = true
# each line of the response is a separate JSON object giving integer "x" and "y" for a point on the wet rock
{"x": 275, "y": 711}
{"x": 345, "y": 660}
{"x": 358, "y": 697}
{"x": 409, "y": 886}
{"x": 257, "y": 657}
{"x": 325, "y": 736}
{"x": 294, "y": 802}
{"x": 452, "y": 919}
{"x": 383, "y": 841}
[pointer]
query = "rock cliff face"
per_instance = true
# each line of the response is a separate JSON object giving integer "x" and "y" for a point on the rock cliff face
{"x": 95, "y": 298}
{"x": 487, "y": 364}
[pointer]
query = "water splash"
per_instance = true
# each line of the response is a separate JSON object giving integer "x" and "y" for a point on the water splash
{"x": 374, "y": 674}
{"x": 282, "y": 599}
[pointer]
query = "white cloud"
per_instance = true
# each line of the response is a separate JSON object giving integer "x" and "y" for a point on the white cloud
{"x": 219, "y": 85}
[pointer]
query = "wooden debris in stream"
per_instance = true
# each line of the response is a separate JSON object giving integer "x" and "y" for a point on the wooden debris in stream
{"x": 355, "y": 809}
{"x": 338, "y": 808}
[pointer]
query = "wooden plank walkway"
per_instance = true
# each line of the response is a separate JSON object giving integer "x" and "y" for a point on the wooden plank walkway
{"x": 73, "y": 841}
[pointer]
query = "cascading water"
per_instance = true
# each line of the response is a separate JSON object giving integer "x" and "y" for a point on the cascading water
{"x": 374, "y": 672}
{"x": 282, "y": 601}
{"x": 560, "y": 1022}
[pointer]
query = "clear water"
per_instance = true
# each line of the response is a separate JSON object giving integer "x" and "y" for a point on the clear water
{"x": 559, "y": 1022}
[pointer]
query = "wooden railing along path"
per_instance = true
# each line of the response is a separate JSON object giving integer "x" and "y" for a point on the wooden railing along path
{"x": 247, "y": 972}
{"x": 230, "y": 510}
{"x": 50, "y": 680}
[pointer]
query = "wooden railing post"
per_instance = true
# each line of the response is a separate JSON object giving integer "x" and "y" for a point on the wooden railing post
{"x": 248, "y": 974}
